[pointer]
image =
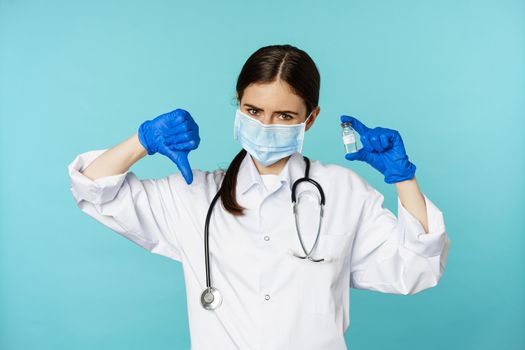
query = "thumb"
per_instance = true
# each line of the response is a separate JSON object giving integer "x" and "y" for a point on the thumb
{"x": 359, "y": 155}
{"x": 180, "y": 158}
{"x": 356, "y": 124}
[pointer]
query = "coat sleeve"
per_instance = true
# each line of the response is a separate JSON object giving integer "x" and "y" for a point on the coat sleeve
{"x": 396, "y": 255}
{"x": 143, "y": 211}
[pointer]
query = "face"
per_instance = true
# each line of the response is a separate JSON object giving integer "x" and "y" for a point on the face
{"x": 275, "y": 103}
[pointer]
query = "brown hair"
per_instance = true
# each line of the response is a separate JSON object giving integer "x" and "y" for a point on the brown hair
{"x": 268, "y": 64}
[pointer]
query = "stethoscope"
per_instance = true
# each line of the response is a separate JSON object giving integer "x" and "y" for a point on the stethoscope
{"x": 210, "y": 297}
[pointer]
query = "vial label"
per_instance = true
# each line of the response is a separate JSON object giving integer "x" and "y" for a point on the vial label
{"x": 350, "y": 138}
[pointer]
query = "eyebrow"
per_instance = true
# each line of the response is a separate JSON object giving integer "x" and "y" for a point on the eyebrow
{"x": 254, "y": 107}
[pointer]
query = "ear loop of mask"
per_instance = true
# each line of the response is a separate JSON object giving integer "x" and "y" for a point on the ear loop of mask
{"x": 306, "y": 120}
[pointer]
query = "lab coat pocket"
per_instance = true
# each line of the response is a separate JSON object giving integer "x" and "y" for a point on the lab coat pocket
{"x": 320, "y": 290}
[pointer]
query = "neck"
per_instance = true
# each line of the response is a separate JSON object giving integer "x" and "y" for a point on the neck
{"x": 275, "y": 168}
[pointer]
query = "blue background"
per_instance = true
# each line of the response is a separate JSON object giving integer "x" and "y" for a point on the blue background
{"x": 78, "y": 76}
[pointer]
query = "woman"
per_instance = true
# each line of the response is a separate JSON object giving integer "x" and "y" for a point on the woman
{"x": 270, "y": 298}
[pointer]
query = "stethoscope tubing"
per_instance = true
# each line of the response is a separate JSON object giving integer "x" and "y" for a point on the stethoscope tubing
{"x": 211, "y": 297}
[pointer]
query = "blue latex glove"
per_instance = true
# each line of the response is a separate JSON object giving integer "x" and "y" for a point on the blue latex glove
{"x": 173, "y": 134}
{"x": 384, "y": 150}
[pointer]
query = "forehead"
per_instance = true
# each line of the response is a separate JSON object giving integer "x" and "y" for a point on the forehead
{"x": 276, "y": 95}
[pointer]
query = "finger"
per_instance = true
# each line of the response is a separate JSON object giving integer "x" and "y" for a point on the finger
{"x": 171, "y": 154}
{"x": 359, "y": 155}
{"x": 175, "y": 117}
{"x": 396, "y": 139}
{"x": 184, "y": 167}
{"x": 179, "y": 112}
{"x": 181, "y": 160}
{"x": 180, "y": 138}
{"x": 366, "y": 143}
{"x": 179, "y": 120}
{"x": 184, "y": 146}
{"x": 178, "y": 128}
{"x": 376, "y": 142}
{"x": 385, "y": 140}
{"x": 191, "y": 124}
{"x": 356, "y": 124}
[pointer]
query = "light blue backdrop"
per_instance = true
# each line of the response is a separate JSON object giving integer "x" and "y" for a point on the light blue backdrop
{"x": 77, "y": 76}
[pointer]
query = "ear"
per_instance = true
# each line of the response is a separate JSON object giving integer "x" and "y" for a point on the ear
{"x": 314, "y": 115}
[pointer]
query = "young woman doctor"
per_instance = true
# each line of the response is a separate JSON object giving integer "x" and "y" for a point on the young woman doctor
{"x": 269, "y": 297}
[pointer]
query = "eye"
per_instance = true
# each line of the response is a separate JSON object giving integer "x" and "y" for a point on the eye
{"x": 287, "y": 116}
{"x": 250, "y": 111}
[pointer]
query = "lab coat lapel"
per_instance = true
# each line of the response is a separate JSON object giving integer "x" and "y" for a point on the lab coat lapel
{"x": 249, "y": 176}
{"x": 293, "y": 170}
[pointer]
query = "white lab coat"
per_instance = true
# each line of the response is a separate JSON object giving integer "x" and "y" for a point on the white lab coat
{"x": 271, "y": 300}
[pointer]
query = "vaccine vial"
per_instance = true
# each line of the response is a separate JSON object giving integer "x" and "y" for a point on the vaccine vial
{"x": 349, "y": 139}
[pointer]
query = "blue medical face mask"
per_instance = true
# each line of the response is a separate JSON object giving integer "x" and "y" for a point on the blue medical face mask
{"x": 268, "y": 143}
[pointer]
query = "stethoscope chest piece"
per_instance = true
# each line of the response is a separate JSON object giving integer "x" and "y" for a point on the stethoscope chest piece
{"x": 211, "y": 298}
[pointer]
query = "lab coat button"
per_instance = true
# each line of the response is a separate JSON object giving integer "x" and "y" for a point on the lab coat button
{"x": 267, "y": 297}
{"x": 266, "y": 238}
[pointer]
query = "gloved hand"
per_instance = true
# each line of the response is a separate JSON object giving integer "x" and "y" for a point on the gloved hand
{"x": 384, "y": 150}
{"x": 173, "y": 134}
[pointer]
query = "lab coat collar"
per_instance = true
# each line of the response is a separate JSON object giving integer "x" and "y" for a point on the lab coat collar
{"x": 249, "y": 175}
